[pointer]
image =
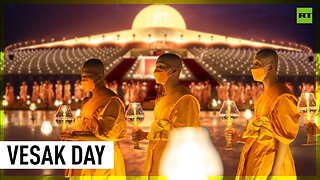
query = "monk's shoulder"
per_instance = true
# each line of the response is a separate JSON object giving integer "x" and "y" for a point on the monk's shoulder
{"x": 112, "y": 99}
{"x": 109, "y": 93}
{"x": 283, "y": 94}
{"x": 287, "y": 99}
{"x": 280, "y": 89}
{"x": 276, "y": 91}
{"x": 183, "y": 90}
{"x": 186, "y": 97}
{"x": 116, "y": 101}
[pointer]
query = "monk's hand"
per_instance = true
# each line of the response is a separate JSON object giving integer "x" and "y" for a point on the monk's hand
{"x": 139, "y": 135}
{"x": 310, "y": 127}
{"x": 235, "y": 136}
{"x": 159, "y": 126}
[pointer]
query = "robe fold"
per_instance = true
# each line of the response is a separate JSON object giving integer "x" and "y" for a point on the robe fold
{"x": 276, "y": 118}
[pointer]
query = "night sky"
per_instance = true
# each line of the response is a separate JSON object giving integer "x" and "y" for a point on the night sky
{"x": 269, "y": 22}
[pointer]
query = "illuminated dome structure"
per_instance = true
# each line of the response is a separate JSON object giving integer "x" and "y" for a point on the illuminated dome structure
{"x": 159, "y": 16}
{"x": 159, "y": 24}
{"x": 156, "y": 28}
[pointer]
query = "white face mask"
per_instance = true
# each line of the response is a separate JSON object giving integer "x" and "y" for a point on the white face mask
{"x": 259, "y": 73}
{"x": 161, "y": 76}
{"x": 89, "y": 85}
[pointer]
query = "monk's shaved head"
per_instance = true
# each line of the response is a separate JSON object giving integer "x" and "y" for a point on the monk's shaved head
{"x": 171, "y": 60}
{"x": 93, "y": 66}
{"x": 267, "y": 56}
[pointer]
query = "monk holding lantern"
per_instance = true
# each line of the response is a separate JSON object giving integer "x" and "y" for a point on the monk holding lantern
{"x": 177, "y": 108}
{"x": 102, "y": 115}
{"x": 266, "y": 152}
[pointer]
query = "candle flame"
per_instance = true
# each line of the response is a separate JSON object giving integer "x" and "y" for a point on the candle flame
{"x": 307, "y": 96}
{"x": 134, "y": 105}
{"x": 228, "y": 101}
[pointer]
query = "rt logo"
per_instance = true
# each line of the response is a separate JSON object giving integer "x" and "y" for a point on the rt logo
{"x": 304, "y": 15}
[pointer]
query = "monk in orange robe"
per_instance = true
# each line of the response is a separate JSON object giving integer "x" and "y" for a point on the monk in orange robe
{"x": 140, "y": 92}
{"x": 23, "y": 92}
{"x": 103, "y": 116}
{"x": 233, "y": 91}
{"x": 43, "y": 92}
{"x": 59, "y": 88}
{"x": 50, "y": 91}
{"x": 9, "y": 96}
{"x": 177, "y": 108}
{"x": 247, "y": 93}
{"x": 266, "y": 152}
{"x": 207, "y": 93}
{"x": 67, "y": 92}
{"x": 78, "y": 91}
{"x": 225, "y": 91}
{"x": 35, "y": 92}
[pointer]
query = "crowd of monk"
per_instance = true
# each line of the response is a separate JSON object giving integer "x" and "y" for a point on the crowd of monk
{"x": 45, "y": 93}
{"x": 133, "y": 91}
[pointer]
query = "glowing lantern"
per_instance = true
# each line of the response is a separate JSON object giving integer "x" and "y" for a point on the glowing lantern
{"x": 5, "y": 103}
{"x": 190, "y": 155}
{"x": 135, "y": 115}
{"x": 33, "y": 107}
{"x": 56, "y": 103}
{"x": 46, "y": 128}
{"x": 307, "y": 107}
{"x": 64, "y": 117}
{"x": 248, "y": 114}
{"x": 227, "y": 113}
{"x": 214, "y": 103}
{"x": 219, "y": 101}
{"x": 77, "y": 113}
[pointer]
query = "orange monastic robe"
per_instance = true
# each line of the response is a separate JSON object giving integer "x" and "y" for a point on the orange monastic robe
{"x": 67, "y": 92}
{"x": 233, "y": 92}
{"x": 59, "y": 88}
{"x": 276, "y": 118}
{"x": 43, "y": 93}
{"x": 35, "y": 93}
{"x": 23, "y": 93}
{"x": 178, "y": 109}
{"x": 9, "y": 96}
{"x": 103, "y": 115}
{"x": 207, "y": 94}
{"x": 50, "y": 93}
{"x": 77, "y": 91}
